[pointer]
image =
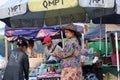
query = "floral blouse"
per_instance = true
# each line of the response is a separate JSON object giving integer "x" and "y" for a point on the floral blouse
{"x": 71, "y": 53}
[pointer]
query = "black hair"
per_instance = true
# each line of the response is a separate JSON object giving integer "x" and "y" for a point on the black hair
{"x": 31, "y": 42}
{"x": 22, "y": 43}
{"x": 78, "y": 36}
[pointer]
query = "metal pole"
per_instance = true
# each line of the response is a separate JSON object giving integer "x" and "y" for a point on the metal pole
{"x": 61, "y": 31}
{"x": 11, "y": 46}
{"x": 106, "y": 43}
{"x": 83, "y": 41}
{"x": 117, "y": 54}
{"x": 118, "y": 75}
{"x": 100, "y": 34}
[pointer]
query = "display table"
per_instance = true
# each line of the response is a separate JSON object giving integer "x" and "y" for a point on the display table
{"x": 49, "y": 76}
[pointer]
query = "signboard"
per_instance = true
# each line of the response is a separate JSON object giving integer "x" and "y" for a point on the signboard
{"x": 44, "y": 5}
{"x": 97, "y": 3}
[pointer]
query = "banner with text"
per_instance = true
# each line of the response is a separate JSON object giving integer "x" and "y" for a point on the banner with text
{"x": 44, "y": 5}
{"x": 97, "y": 3}
{"x": 12, "y": 8}
{"x": 118, "y": 6}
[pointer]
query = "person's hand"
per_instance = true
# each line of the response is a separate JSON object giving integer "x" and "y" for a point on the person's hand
{"x": 59, "y": 51}
{"x": 55, "y": 55}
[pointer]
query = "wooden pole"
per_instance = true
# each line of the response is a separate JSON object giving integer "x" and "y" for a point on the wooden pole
{"x": 6, "y": 50}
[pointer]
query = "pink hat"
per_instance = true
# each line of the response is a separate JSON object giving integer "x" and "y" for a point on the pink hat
{"x": 47, "y": 39}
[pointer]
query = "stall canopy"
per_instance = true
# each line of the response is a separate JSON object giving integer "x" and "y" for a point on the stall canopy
{"x": 94, "y": 33}
{"x": 37, "y": 32}
{"x": 32, "y": 32}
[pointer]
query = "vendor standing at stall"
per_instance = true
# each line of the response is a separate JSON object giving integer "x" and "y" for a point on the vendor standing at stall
{"x": 71, "y": 68}
{"x": 30, "y": 51}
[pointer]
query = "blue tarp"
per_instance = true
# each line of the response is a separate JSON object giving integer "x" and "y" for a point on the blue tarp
{"x": 94, "y": 33}
{"x": 34, "y": 32}
{"x": 38, "y": 32}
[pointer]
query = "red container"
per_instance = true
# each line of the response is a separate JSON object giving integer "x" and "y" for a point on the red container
{"x": 82, "y": 63}
{"x": 114, "y": 58}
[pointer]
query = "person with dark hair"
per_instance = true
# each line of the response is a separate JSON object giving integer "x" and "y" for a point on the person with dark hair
{"x": 30, "y": 51}
{"x": 49, "y": 49}
{"x": 31, "y": 42}
{"x": 71, "y": 67}
{"x": 18, "y": 64}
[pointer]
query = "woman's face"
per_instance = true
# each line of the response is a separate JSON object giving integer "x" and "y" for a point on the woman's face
{"x": 69, "y": 34}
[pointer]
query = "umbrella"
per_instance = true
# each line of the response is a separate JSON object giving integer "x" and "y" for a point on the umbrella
{"x": 112, "y": 18}
{"x": 12, "y": 8}
{"x": 97, "y": 3}
{"x": 45, "y": 5}
{"x": 56, "y": 13}
{"x": 50, "y": 18}
{"x": 107, "y": 19}
{"x": 97, "y": 8}
{"x": 94, "y": 8}
{"x": 118, "y": 6}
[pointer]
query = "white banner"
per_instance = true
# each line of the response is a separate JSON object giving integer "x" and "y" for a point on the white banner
{"x": 118, "y": 6}
{"x": 97, "y": 3}
{"x": 112, "y": 27}
{"x": 12, "y": 8}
